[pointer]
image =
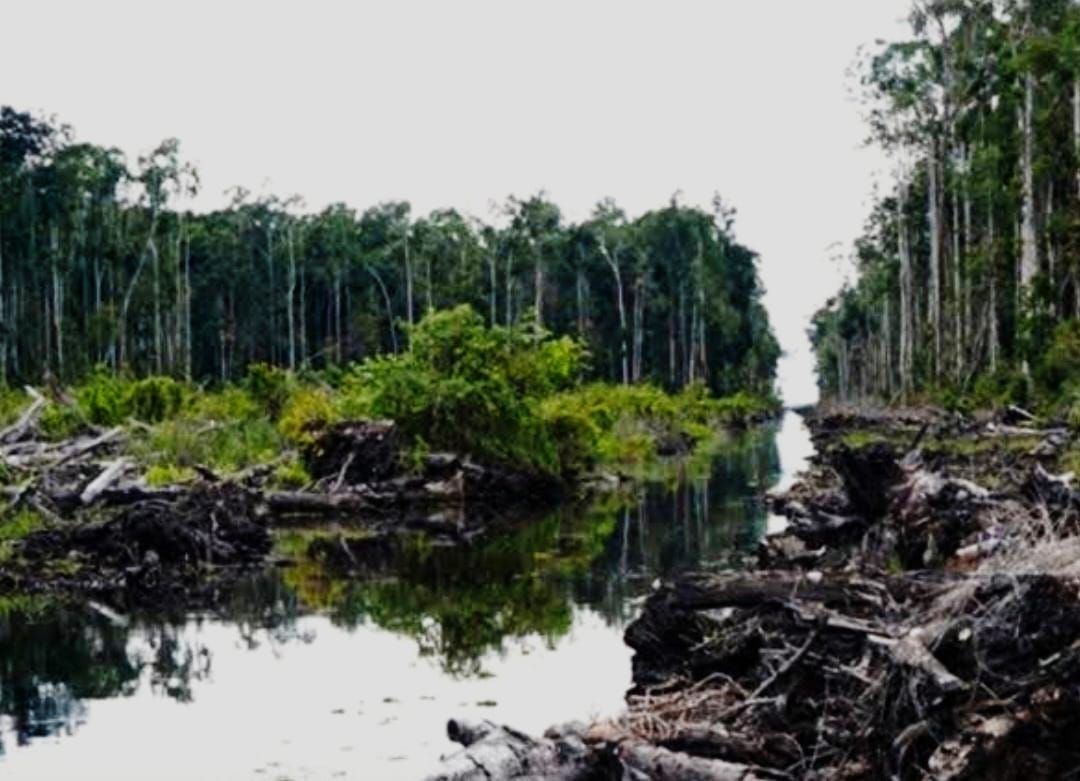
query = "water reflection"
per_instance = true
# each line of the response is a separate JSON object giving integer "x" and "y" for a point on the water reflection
{"x": 554, "y": 593}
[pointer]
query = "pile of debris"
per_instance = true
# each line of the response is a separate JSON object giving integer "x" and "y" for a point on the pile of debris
{"x": 909, "y": 623}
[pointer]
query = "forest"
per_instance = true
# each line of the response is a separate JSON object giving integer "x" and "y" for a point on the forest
{"x": 101, "y": 265}
{"x": 967, "y": 286}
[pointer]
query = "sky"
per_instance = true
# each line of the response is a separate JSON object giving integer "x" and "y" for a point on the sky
{"x": 464, "y": 102}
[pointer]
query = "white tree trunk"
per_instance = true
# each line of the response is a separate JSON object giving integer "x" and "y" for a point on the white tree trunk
{"x": 1076, "y": 128}
{"x": 933, "y": 212}
{"x": 290, "y": 294}
{"x": 907, "y": 329}
{"x": 620, "y": 303}
{"x": 58, "y": 299}
{"x": 1029, "y": 252}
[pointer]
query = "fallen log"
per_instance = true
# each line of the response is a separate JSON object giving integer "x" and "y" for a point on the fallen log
{"x": 310, "y": 503}
{"x": 645, "y": 761}
{"x": 108, "y": 476}
{"x": 495, "y": 753}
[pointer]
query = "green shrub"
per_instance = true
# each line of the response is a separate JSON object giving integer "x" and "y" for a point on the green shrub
{"x": 61, "y": 421}
{"x": 229, "y": 404}
{"x": 270, "y": 387}
{"x": 472, "y": 389}
{"x": 12, "y": 404}
{"x": 155, "y": 399}
{"x": 306, "y": 412}
{"x": 291, "y": 474}
{"x": 103, "y": 398}
{"x": 1060, "y": 364}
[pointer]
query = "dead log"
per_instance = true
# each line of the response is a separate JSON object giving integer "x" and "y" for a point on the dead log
{"x": 108, "y": 476}
{"x": 703, "y": 592}
{"x": 495, "y": 753}
{"x": 84, "y": 447}
{"x": 310, "y": 503}
{"x": 645, "y": 761}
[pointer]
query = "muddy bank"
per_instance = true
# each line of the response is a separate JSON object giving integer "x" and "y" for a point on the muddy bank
{"x": 918, "y": 618}
{"x": 99, "y": 528}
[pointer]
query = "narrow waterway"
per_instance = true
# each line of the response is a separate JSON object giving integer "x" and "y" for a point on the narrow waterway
{"x": 307, "y": 676}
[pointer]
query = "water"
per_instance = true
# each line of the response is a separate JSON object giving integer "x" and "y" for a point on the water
{"x": 308, "y": 676}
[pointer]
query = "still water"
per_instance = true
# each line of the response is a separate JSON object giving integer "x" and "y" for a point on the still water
{"x": 308, "y": 676}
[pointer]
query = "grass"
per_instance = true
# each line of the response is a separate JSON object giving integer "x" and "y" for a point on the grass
{"x": 14, "y": 528}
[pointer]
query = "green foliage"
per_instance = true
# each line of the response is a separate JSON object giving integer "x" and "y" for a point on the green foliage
{"x": 12, "y": 404}
{"x": 291, "y": 474}
{"x": 270, "y": 387}
{"x": 102, "y": 398}
{"x": 20, "y": 524}
{"x": 61, "y": 421}
{"x": 472, "y": 389}
{"x": 305, "y": 413}
{"x": 154, "y": 399}
{"x": 168, "y": 474}
{"x": 1060, "y": 366}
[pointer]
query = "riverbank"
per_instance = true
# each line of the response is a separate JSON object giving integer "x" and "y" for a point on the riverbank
{"x": 917, "y": 618}
{"x": 167, "y": 512}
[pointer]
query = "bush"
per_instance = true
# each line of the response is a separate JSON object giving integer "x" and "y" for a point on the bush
{"x": 472, "y": 389}
{"x": 1060, "y": 365}
{"x": 61, "y": 421}
{"x": 102, "y": 398}
{"x": 307, "y": 411}
{"x": 155, "y": 399}
{"x": 270, "y": 387}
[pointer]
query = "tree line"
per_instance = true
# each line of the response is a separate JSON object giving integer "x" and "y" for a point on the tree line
{"x": 101, "y": 264}
{"x": 967, "y": 271}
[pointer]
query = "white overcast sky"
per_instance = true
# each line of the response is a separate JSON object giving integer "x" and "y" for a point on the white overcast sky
{"x": 463, "y": 102}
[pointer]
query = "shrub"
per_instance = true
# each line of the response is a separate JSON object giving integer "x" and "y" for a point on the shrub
{"x": 472, "y": 389}
{"x": 307, "y": 411}
{"x": 155, "y": 399}
{"x": 102, "y": 398}
{"x": 269, "y": 386}
{"x": 1061, "y": 363}
{"x": 61, "y": 421}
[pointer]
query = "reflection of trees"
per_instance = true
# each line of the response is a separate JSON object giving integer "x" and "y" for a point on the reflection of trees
{"x": 54, "y": 655}
{"x": 464, "y": 601}
{"x": 698, "y": 512}
{"x": 51, "y": 657}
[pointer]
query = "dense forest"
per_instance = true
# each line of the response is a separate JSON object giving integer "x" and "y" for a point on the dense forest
{"x": 968, "y": 281}
{"x": 101, "y": 264}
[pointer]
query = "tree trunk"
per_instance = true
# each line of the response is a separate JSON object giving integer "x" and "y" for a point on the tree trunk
{"x": 289, "y": 296}
{"x": 408, "y": 284}
{"x": 58, "y": 299}
{"x": 933, "y": 213}
{"x": 494, "y": 283}
{"x": 389, "y": 307}
{"x": 992, "y": 272}
{"x": 620, "y": 305}
{"x": 1029, "y": 253}
{"x": 538, "y": 281}
{"x": 1076, "y": 128}
{"x": 907, "y": 329}
{"x": 3, "y": 314}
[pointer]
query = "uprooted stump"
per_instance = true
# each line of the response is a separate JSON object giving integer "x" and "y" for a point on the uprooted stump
{"x": 356, "y": 452}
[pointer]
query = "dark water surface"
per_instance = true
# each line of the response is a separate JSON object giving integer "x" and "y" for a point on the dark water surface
{"x": 306, "y": 676}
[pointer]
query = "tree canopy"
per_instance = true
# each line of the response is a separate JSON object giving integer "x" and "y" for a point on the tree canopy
{"x": 103, "y": 263}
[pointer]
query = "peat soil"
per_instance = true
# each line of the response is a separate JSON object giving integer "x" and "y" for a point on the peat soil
{"x": 918, "y": 618}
